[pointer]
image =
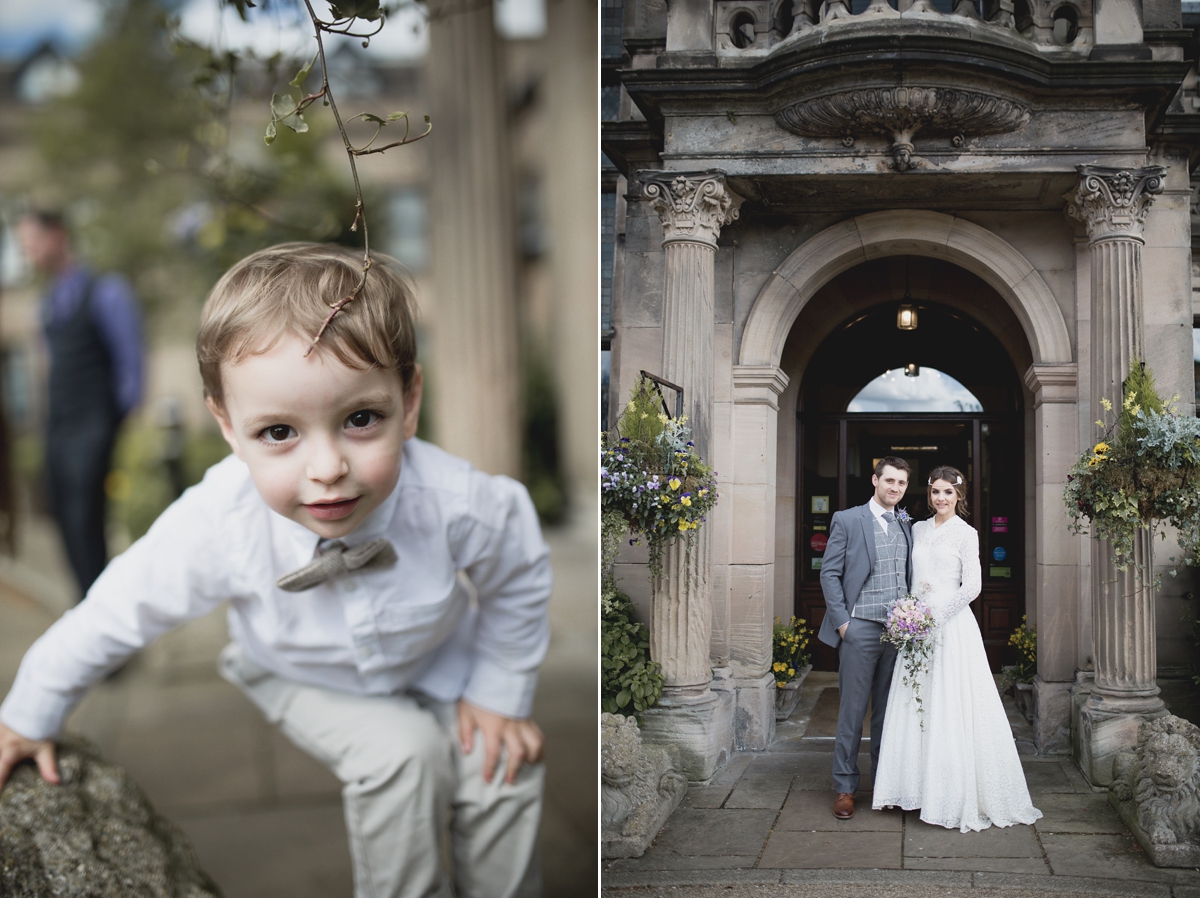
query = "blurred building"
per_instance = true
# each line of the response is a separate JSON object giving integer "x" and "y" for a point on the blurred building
{"x": 805, "y": 201}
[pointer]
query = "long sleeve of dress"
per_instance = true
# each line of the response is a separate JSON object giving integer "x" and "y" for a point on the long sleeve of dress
{"x": 966, "y": 545}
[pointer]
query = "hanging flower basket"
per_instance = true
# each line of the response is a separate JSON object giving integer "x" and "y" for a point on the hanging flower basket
{"x": 1144, "y": 469}
{"x": 652, "y": 476}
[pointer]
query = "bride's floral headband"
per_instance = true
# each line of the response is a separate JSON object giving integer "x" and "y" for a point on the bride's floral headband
{"x": 957, "y": 481}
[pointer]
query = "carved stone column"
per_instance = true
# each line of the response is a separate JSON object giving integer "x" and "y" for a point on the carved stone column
{"x": 1113, "y": 204}
{"x": 693, "y": 208}
{"x": 473, "y": 382}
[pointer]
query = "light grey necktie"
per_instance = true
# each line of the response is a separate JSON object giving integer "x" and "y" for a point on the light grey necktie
{"x": 888, "y": 517}
{"x": 335, "y": 559}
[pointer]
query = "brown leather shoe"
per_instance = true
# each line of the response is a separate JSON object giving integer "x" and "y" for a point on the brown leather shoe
{"x": 843, "y": 805}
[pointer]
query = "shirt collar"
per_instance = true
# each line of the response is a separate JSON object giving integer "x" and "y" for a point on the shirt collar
{"x": 877, "y": 509}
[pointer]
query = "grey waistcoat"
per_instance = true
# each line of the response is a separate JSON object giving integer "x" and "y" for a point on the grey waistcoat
{"x": 887, "y": 581}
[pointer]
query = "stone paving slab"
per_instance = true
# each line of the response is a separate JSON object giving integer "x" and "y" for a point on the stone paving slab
{"x": 811, "y": 812}
{"x": 705, "y": 832}
{"x": 661, "y": 861}
{"x": 818, "y": 850}
{"x": 1032, "y": 865}
{"x": 1062, "y": 813}
{"x": 885, "y": 884}
{"x": 925, "y": 840}
{"x": 706, "y": 796}
{"x": 1114, "y": 856}
{"x": 1050, "y": 776}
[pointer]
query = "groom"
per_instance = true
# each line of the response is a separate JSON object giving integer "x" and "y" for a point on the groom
{"x": 867, "y": 566}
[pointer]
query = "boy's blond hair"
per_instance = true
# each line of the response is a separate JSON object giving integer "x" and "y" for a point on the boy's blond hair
{"x": 288, "y": 289}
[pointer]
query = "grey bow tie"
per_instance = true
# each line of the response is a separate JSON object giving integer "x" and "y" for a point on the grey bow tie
{"x": 337, "y": 560}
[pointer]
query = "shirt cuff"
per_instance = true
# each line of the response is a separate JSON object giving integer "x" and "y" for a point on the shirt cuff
{"x": 504, "y": 692}
{"x": 35, "y": 714}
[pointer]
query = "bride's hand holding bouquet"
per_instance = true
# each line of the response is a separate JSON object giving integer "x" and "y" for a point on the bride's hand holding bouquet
{"x": 909, "y": 627}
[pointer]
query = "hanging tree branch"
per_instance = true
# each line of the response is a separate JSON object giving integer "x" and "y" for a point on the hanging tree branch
{"x": 289, "y": 112}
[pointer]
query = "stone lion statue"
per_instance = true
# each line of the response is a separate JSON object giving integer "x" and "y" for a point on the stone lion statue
{"x": 1162, "y": 777}
{"x": 640, "y": 785}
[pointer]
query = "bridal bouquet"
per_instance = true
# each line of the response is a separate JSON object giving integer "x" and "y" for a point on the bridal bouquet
{"x": 909, "y": 626}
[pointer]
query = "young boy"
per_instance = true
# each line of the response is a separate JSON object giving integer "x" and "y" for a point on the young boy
{"x": 341, "y": 542}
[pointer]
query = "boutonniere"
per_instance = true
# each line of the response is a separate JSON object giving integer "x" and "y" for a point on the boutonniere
{"x": 903, "y": 516}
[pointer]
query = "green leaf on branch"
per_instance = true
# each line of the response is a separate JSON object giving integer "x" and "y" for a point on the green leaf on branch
{"x": 302, "y": 75}
{"x": 271, "y": 133}
{"x": 371, "y": 117}
{"x": 355, "y": 9}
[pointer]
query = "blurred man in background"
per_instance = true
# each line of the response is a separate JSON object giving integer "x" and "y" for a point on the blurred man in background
{"x": 93, "y": 332}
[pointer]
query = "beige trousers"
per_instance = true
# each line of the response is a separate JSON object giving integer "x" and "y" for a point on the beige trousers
{"x": 406, "y": 782}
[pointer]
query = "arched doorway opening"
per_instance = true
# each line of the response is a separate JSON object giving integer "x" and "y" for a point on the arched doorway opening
{"x": 840, "y": 345}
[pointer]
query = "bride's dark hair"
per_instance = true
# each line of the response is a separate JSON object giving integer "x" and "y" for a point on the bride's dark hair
{"x": 954, "y": 477}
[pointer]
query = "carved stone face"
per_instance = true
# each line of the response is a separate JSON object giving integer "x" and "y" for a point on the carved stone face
{"x": 621, "y": 744}
{"x": 1170, "y": 760}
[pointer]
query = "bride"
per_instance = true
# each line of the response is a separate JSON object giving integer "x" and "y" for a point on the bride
{"x": 955, "y": 760}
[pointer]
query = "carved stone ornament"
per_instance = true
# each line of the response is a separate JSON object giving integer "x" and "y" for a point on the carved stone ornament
{"x": 1156, "y": 791}
{"x": 899, "y": 113}
{"x": 640, "y": 785}
{"x": 1113, "y": 202}
{"x": 693, "y": 207}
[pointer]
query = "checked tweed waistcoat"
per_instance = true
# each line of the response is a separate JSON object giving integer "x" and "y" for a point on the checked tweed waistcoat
{"x": 887, "y": 581}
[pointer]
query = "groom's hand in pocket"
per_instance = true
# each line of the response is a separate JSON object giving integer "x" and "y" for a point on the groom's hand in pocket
{"x": 843, "y": 628}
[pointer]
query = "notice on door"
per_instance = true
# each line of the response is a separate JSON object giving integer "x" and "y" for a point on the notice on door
{"x": 999, "y": 525}
{"x": 818, "y": 542}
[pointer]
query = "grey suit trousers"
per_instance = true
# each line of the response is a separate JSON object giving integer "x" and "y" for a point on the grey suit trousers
{"x": 864, "y": 672}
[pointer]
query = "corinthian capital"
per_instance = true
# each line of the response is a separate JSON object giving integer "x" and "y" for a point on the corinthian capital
{"x": 693, "y": 206}
{"x": 1113, "y": 202}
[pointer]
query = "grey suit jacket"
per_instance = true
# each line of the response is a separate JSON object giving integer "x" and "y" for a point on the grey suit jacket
{"x": 847, "y": 565}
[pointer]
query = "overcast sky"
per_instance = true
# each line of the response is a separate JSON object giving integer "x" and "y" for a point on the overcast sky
{"x": 70, "y": 24}
{"x": 931, "y": 391}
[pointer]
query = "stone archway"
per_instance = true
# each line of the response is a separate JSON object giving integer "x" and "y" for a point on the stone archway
{"x": 758, "y": 382}
{"x": 934, "y": 234}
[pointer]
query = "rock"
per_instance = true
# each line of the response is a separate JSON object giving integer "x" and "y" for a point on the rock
{"x": 1156, "y": 791}
{"x": 93, "y": 836}
{"x": 640, "y": 786}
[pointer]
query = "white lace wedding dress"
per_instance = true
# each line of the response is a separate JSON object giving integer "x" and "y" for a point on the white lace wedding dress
{"x": 962, "y": 769}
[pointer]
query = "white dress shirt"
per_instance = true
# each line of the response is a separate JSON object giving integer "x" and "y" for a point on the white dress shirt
{"x": 879, "y": 511}
{"x": 418, "y": 625}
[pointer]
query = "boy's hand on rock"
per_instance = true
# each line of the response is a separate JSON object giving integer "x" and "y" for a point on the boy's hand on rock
{"x": 521, "y": 739}
{"x": 15, "y": 748}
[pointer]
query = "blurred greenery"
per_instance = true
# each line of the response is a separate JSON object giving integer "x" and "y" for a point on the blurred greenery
{"x": 541, "y": 469}
{"x": 155, "y": 183}
{"x": 139, "y": 485}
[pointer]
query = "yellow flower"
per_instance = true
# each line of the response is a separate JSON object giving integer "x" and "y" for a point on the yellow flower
{"x": 1100, "y": 448}
{"x": 1093, "y": 461}
{"x": 1104, "y": 402}
{"x": 683, "y": 525}
{"x": 780, "y": 683}
{"x": 791, "y": 671}
{"x": 674, "y": 483}
{"x": 685, "y": 501}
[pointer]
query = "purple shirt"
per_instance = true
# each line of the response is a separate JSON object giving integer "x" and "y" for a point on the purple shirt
{"x": 118, "y": 320}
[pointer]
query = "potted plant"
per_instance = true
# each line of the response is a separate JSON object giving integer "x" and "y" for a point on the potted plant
{"x": 1017, "y": 679}
{"x": 790, "y": 664}
{"x": 1144, "y": 469}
